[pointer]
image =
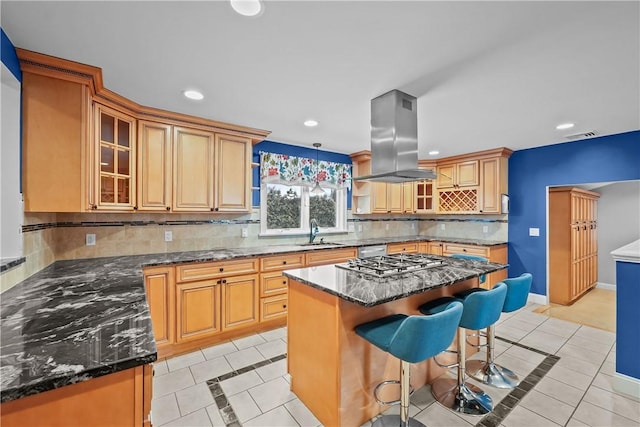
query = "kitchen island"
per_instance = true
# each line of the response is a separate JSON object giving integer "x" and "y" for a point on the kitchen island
{"x": 334, "y": 371}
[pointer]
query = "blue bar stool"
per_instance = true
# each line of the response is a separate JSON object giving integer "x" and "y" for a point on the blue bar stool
{"x": 481, "y": 309}
{"x": 411, "y": 339}
{"x": 487, "y": 371}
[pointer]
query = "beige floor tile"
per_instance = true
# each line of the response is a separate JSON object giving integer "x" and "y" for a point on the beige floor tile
{"x": 596, "y": 334}
{"x": 244, "y": 406}
{"x": 273, "y": 370}
{"x": 179, "y": 362}
{"x": 613, "y": 402}
{"x": 608, "y": 368}
{"x": 572, "y": 378}
{"x": 576, "y": 423}
{"x": 422, "y": 397}
{"x": 595, "y": 416}
{"x": 243, "y": 358}
{"x": 437, "y": 415}
{"x": 590, "y": 344}
{"x": 543, "y": 341}
{"x": 547, "y": 407}
{"x": 172, "y": 382}
{"x": 276, "y": 417}
{"x": 581, "y": 353}
{"x": 195, "y": 419}
{"x": 214, "y": 415}
{"x": 274, "y": 334}
{"x": 529, "y": 317}
{"x": 520, "y": 417}
{"x": 559, "y": 390}
{"x": 514, "y": 334}
{"x": 526, "y": 355}
{"x": 249, "y": 341}
{"x": 194, "y": 398}
{"x": 519, "y": 366}
{"x": 219, "y": 350}
{"x": 272, "y": 348}
{"x": 579, "y": 365}
{"x": 160, "y": 368}
{"x": 302, "y": 415}
{"x": 272, "y": 394}
{"x": 164, "y": 409}
{"x": 517, "y": 323}
{"x": 241, "y": 383}
{"x": 210, "y": 369}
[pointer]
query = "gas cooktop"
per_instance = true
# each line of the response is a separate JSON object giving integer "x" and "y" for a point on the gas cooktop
{"x": 391, "y": 265}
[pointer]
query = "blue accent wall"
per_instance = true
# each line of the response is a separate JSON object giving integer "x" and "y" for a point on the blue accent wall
{"x": 9, "y": 56}
{"x": 608, "y": 158}
{"x": 292, "y": 150}
{"x": 627, "y": 318}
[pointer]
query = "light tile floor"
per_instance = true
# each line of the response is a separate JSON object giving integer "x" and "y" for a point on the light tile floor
{"x": 576, "y": 391}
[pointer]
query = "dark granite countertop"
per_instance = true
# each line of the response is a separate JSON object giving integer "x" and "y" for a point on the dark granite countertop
{"x": 369, "y": 291}
{"x": 80, "y": 319}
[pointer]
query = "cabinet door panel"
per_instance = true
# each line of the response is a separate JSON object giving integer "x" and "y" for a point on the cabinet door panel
{"x": 273, "y": 283}
{"x": 446, "y": 176}
{"x": 408, "y": 197}
{"x": 490, "y": 186}
{"x": 394, "y": 198}
{"x": 193, "y": 170}
{"x": 233, "y": 159}
{"x": 273, "y": 307}
{"x": 379, "y": 197}
{"x": 198, "y": 310}
{"x": 154, "y": 166}
{"x": 467, "y": 173}
{"x": 159, "y": 285}
{"x": 240, "y": 299}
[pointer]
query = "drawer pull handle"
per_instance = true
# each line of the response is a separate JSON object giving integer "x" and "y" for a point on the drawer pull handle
{"x": 284, "y": 305}
{"x": 221, "y": 268}
{"x": 284, "y": 282}
{"x": 464, "y": 250}
{"x": 284, "y": 262}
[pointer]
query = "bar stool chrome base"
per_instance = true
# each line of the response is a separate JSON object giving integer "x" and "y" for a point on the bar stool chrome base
{"x": 396, "y": 421}
{"x": 491, "y": 374}
{"x": 465, "y": 398}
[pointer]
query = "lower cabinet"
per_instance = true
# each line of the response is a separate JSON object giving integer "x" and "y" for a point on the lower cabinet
{"x": 273, "y": 307}
{"x": 159, "y": 284}
{"x": 402, "y": 248}
{"x": 119, "y": 399}
{"x": 497, "y": 253}
{"x": 330, "y": 256}
{"x": 198, "y": 309}
{"x": 240, "y": 301}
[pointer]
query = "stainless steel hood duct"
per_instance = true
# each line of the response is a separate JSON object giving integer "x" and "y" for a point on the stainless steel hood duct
{"x": 394, "y": 140}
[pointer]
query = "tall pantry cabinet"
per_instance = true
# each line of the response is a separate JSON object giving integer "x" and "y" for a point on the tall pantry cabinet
{"x": 573, "y": 243}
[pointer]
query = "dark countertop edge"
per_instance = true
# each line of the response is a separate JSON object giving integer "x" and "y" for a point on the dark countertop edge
{"x": 302, "y": 248}
{"x": 8, "y": 263}
{"x": 385, "y": 300}
{"x": 10, "y": 394}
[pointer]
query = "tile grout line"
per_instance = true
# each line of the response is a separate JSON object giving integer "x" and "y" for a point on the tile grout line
{"x": 226, "y": 410}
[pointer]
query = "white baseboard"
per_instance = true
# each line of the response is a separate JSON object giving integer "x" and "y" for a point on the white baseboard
{"x": 607, "y": 286}
{"x": 626, "y": 384}
{"x": 537, "y": 299}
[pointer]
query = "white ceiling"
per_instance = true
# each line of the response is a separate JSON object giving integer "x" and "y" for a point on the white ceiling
{"x": 487, "y": 74}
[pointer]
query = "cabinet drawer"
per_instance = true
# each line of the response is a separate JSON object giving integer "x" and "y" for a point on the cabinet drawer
{"x": 273, "y": 307}
{"x": 282, "y": 262}
{"x": 398, "y": 248}
{"x": 453, "y": 248}
{"x": 209, "y": 270}
{"x": 273, "y": 283}
{"x": 330, "y": 256}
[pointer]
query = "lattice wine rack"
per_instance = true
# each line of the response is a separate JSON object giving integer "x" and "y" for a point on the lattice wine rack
{"x": 458, "y": 201}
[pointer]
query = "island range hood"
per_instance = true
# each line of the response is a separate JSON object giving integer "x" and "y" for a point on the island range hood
{"x": 394, "y": 140}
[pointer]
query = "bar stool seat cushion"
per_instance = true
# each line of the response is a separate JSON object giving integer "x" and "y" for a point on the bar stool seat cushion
{"x": 413, "y": 338}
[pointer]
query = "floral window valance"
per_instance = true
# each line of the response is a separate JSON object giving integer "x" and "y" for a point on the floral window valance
{"x": 290, "y": 170}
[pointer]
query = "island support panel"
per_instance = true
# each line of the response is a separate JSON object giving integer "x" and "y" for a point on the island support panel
{"x": 334, "y": 371}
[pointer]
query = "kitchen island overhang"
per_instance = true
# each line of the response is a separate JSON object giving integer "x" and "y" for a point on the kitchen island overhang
{"x": 334, "y": 371}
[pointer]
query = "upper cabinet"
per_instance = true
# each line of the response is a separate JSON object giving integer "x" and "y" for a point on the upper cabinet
{"x": 466, "y": 184}
{"x": 89, "y": 149}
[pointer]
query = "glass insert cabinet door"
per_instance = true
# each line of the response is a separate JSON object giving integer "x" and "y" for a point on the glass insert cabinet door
{"x": 115, "y": 152}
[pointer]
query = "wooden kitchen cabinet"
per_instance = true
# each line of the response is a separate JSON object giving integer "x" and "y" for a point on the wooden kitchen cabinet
{"x": 55, "y": 142}
{"x": 159, "y": 283}
{"x": 198, "y": 309}
{"x": 432, "y": 248}
{"x": 273, "y": 307}
{"x": 154, "y": 166}
{"x": 193, "y": 170}
{"x": 573, "y": 243}
{"x": 115, "y": 160}
{"x": 496, "y": 253}
{"x": 462, "y": 174}
{"x": 240, "y": 301}
{"x": 122, "y": 398}
{"x": 274, "y": 286}
{"x": 233, "y": 174}
{"x": 493, "y": 184}
{"x": 330, "y": 256}
{"x": 399, "y": 248}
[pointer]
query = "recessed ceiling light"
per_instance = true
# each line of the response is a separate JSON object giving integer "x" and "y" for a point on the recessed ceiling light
{"x": 434, "y": 152}
{"x": 193, "y": 94}
{"x": 311, "y": 123}
{"x": 563, "y": 126}
{"x": 247, "y": 7}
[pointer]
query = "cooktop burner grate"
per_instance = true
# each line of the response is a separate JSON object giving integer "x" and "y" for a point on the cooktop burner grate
{"x": 391, "y": 265}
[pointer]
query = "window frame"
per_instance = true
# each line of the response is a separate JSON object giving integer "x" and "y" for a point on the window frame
{"x": 341, "y": 213}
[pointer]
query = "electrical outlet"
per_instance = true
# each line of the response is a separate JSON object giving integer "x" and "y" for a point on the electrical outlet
{"x": 485, "y": 228}
{"x": 386, "y": 226}
{"x": 442, "y": 227}
{"x": 359, "y": 227}
{"x": 90, "y": 239}
{"x": 168, "y": 236}
{"x": 351, "y": 228}
{"x": 413, "y": 225}
{"x": 244, "y": 232}
{"x": 534, "y": 232}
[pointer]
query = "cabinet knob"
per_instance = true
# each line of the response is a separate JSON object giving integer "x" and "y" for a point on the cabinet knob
{"x": 464, "y": 250}
{"x": 284, "y": 262}
{"x": 224, "y": 280}
{"x": 389, "y": 211}
{"x": 168, "y": 208}
{"x": 219, "y": 282}
{"x": 211, "y": 209}
{"x": 216, "y": 209}
{"x": 284, "y": 282}
{"x": 284, "y": 305}
{"x": 94, "y": 206}
{"x": 221, "y": 268}
{"x": 135, "y": 208}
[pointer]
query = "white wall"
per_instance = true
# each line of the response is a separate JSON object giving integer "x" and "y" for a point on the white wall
{"x": 618, "y": 223}
{"x": 10, "y": 199}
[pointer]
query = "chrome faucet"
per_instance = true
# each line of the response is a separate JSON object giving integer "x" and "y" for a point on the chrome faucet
{"x": 313, "y": 229}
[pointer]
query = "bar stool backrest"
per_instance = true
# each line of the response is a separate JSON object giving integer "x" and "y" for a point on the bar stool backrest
{"x": 421, "y": 337}
{"x": 517, "y": 292}
{"x": 482, "y": 309}
{"x": 482, "y": 278}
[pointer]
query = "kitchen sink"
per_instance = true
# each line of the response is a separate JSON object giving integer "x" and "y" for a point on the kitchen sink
{"x": 322, "y": 243}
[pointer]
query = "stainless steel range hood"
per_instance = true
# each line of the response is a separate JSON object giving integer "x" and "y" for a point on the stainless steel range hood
{"x": 394, "y": 140}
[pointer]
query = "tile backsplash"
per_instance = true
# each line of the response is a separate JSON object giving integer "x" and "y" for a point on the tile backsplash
{"x": 49, "y": 236}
